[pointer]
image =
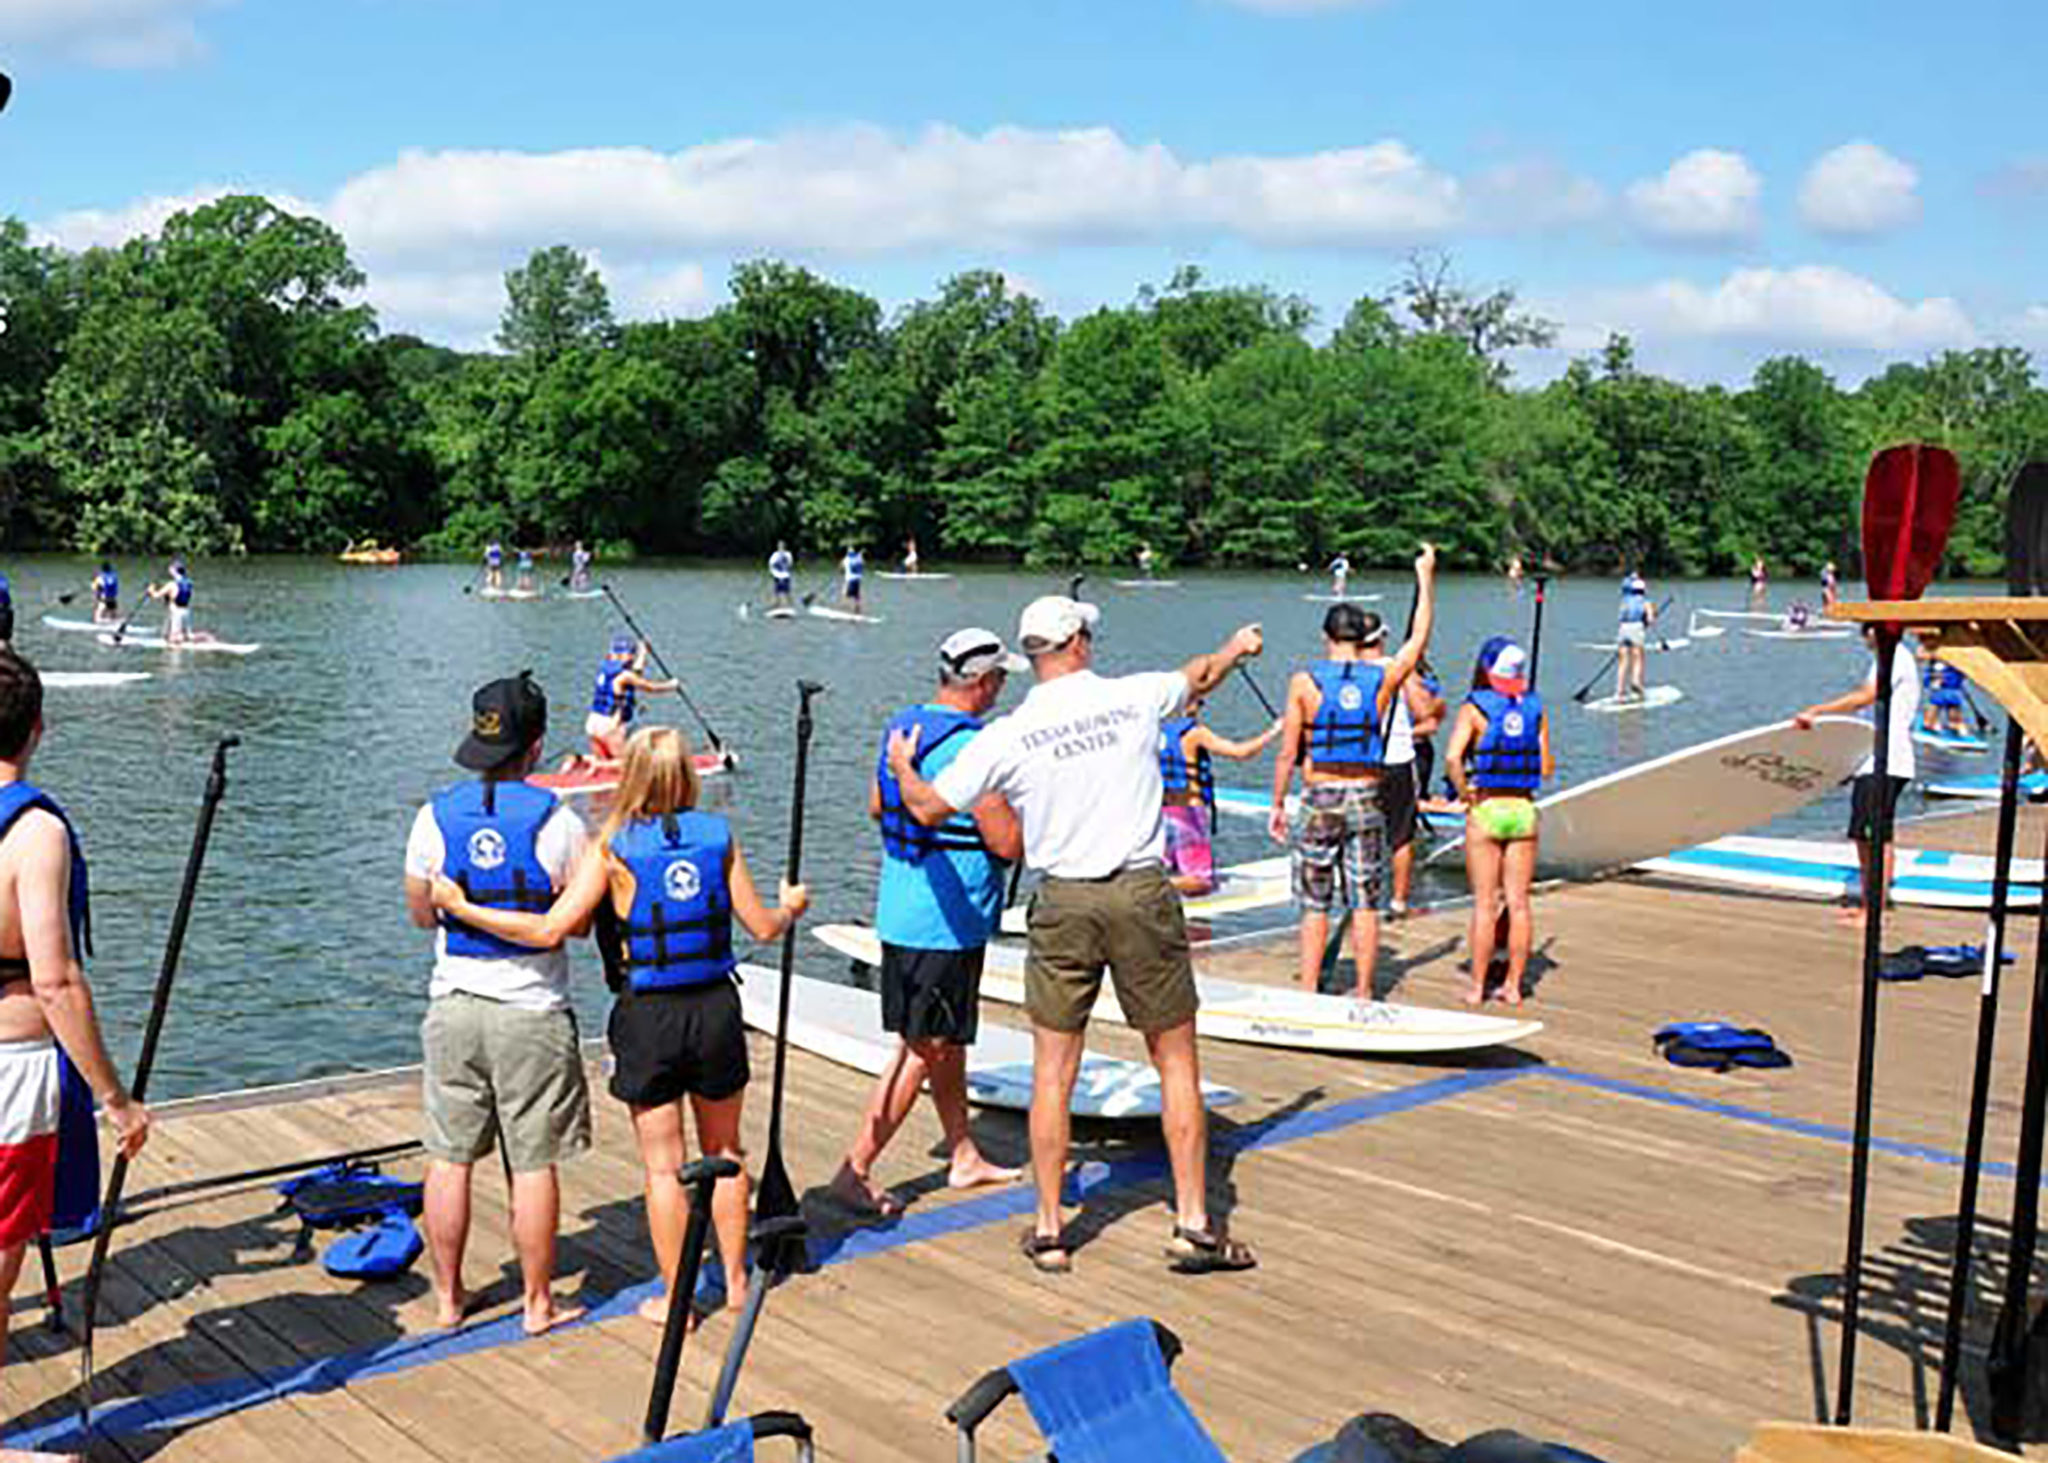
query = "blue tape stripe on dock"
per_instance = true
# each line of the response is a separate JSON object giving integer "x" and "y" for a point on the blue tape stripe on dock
{"x": 202, "y": 1402}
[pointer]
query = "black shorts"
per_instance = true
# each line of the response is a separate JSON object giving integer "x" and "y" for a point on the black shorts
{"x": 1425, "y": 765}
{"x": 932, "y": 995}
{"x": 6, "y": 622}
{"x": 667, "y": 1045}
{"x": 1863, "y": 803}
{"x": 1397, "y": 802}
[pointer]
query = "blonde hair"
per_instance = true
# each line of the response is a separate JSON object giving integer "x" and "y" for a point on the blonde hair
{"x": 658, "y": 777}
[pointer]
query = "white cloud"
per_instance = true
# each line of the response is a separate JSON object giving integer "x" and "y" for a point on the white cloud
{"x": 1859, "y": 190}
{"x": 1707, "y": 197}
{"x": 113, "y": 33}
{"x": 1815, "y": 307}
{"x": 1532, "y": 195}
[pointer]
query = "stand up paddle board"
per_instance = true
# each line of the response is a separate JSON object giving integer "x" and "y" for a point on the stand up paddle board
{"x": 522, "y": 594}
{"x": 1824, "y": 870}
{"x": 844, "y": 1025}
{"x": 92, "y": 678}
{"x": 1256, "y": 1015}
{"x": 580, "y": 778}
{"x": 79, "y": 627}
{"x": 1650, "y": 700}
{"x": 1789, "y": 634}
{"x": 1146, "y": 583}
{"x": 203, "y": 643}
{"x": 782, "y": 612}
{"x": 1761, "y": 617}
{"x": 825, "y": 612}
{"x": 901, "y": 575}
{"x": 1949, "y": 741}
{"x": 1340, "y": 599}
{"x": 1241, "y": 888}
{"x": 582, "y": 594}
{"x": 1609, "y": 647}
{"x": 1981, "y": 785}
{"x": 1690, "y": 796}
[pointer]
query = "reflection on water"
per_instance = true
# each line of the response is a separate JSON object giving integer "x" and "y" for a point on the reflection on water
{"x": 300, "y": 960}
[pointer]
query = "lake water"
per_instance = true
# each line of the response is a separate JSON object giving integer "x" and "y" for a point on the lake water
{"x": 300, "y": 961}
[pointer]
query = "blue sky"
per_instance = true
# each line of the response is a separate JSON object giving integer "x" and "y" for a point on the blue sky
{"x": 1860, "y": 182}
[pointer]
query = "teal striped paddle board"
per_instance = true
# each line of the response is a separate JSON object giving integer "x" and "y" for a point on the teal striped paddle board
{"x": 1806, "y": 869}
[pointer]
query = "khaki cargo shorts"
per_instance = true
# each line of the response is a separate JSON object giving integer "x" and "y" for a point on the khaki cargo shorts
{"x": 1131, "y": 923}
{"x": 489, "y": 1065}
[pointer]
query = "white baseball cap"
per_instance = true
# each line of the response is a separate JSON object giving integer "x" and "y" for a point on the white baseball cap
{"x": 1051, "y": 621}
{"x": 974, "y": 652}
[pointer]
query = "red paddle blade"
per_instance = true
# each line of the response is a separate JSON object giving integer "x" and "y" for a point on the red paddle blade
{"x": 1909, "y": 505}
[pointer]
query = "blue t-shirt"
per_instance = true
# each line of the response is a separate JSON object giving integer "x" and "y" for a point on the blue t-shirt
{"x": 949, "y": 900}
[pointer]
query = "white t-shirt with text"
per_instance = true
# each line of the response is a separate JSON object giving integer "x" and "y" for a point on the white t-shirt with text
{"x": 1079, "y": 761}
{"x": 1905, "y": 715}
{"x": 537, "y": 981}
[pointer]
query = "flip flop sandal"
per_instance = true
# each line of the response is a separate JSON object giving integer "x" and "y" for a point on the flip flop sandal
{"x": 1046, "y": 1252}
{"x": 1205, "y": 1252}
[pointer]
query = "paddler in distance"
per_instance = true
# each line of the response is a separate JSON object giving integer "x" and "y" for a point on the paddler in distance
{"x": 176, "y": 593}
{"x": 1631, "y": 636}
{"x": 522, "y": 582}
{"x": 781, "y": 577}
{"x": 494, "y": 565}
{"x": 851, "y": 570}
{"x": 579, "y": 568}
{"x": 106, "y": 595}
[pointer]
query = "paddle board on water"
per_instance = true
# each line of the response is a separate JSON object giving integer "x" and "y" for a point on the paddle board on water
{"x": 1826, "y": 870}
{"x": 1254, "y": 1014}
{"x": 1984, "y": 785}
{"x": 1789, "y": 634}
{"x": 1241, "y": 888}
{"x": 1608, "y": 647}
{"x": 582, "y": 594}
{"x": 1650, "y": 700}
{"x": 826, "y": 612}
{"x": 579, "y": 778}
{"x": 150, "y": 640}
{"x": 1950, "y": 741}
{"x": 78, "y": 627}
{"x": 1690, "y": 796}
{"x": 521, "y": 594}
{"x": 1341, "y": 599}
{"x": 1762, "y": 617}
{"x": 844, "y": 1025}
{"x": 900, "y": 574}
{"x": 1146, "y": 583}
{"x": 782, "y": 612}
{"x": 92, "y": 678}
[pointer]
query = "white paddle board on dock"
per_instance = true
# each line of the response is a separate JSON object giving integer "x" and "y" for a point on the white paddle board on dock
{"x": 1814, "y": 869}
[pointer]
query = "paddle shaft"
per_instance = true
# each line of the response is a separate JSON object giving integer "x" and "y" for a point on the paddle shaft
{"x": 1536, "y": 629}
{"x": 145, "y": 1062}
{"x": 2009, "y": 1337}
{"x": 627, "y": 615}
{"x": 699, "y": 1178}
{"x": 1980, "y": 1086}
{"x": 1258, "y": 691}
{"x": 736, "y": 1352}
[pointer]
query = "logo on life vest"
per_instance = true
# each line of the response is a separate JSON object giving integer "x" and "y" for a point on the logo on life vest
{"x": 487, "y": 848}
{"x": 1350, "y": 697}
{"x": 1511, "y": 724}
{"x": 680, "y": 881}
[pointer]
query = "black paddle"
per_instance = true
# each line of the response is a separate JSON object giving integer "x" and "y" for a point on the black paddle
{"x": 6, "y": 90}
{"x": 699, "y": 1178}
{"x": 1608, "y": 664}
{"x": 1909, "y": 505}
{"x": 174, "y": 944}
{"x": 2026, "y": 563}
{"x": 625, "y": 614}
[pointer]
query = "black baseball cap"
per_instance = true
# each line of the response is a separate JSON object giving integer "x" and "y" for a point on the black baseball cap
{"x": 506, "y": 717}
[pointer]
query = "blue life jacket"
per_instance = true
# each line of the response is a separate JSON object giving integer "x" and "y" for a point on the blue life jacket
{"x": 106, "y": 587}
{"x": 1173, "y": 762}
{"x": 6, "y": 594}
{"x": 781, "y": 565}
{"x": 491, "y": 833}
{"x": 181, "y": 589}
{"x": 494, "y": 556}
{"x": 77, "y": 1204}
{"x": 1635, "y": 601}
{"x": 607, "y": 699}
{"x": 1346, "y": 727}
{"x": 855, "y": 566}
{"x": 525, "y": 561}
{"x": 1509, "y": 757}
{"x": 679, "y": 930}
{"x": 902, "y": 835}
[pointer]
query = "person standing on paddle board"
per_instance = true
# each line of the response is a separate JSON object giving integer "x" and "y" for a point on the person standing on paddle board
{"x": 502, "y": 1065}
{"x": 522, "y": 581}
{"x": 494, "y": 565}
{"x": 1340, "y": 576}
{"x": 781, "y": 575}
{"x": 106, "y": 595}
{"x": 621, "y": 681}
{"x": 1759, "y": 583}
{"x": 1145, "y": 559}
{"x": 910, "y": 559}
{"x": 1418, "y": 711}
{"x": 1336, "y": 713}
{"x": 1499, "y": 755}
{"x": 579, "y": 568}
{"x": 1079, "y": 761}
{"x": 663, "y": 883}
{"x": 176, "y": 593}
{"x": 851, "y": 570}
{"x": 1942, "y": 700}
{"x": 940, "y": 897}
{"x": 1515, "y": 575}
{"x": 1830, "y": 586}
{"x": 1631, "y": 635}
{"x": 53, "y": 1060}
{"x": 1187, "y": 750}
{"x": 1900, "y": 765}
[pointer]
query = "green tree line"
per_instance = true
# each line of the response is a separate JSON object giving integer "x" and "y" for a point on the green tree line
{"x": 219, "y": 387}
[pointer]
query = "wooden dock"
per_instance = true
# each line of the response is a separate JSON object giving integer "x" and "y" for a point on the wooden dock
{"x": 1572, "y": 1238}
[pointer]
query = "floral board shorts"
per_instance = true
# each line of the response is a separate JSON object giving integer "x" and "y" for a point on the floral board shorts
{"x": 1339, "y": 848}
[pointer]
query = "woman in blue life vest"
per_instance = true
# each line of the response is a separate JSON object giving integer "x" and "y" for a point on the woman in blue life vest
{"x": 1498, "y": 756}
{"x": 1187, "y": 749}
{"x": 621, "y": 681}
{"x": 106, "y": 594}
{"x": 176, "y": 594}
{"x": 664, "y": 883}
{"x": 494, "y": 565}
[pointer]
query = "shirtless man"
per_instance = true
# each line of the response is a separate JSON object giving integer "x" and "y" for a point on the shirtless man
{"x": 47, "y": 1020}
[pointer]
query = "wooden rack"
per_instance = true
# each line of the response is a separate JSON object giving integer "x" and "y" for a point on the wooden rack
{"x": 2000, "y": 644}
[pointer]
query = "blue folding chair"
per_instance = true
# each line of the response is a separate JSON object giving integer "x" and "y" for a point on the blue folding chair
{"x": 1106, "y": 1397}
{"x": 733, "y": 1443}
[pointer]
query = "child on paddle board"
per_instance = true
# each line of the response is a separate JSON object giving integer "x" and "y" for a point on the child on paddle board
{"x": 664, "y": 883}
{"x": 621, "y": 681}
{"x": 1498, "y": 756}
{"x": 1186, "y": 750}
{"x": 106, "y": 594}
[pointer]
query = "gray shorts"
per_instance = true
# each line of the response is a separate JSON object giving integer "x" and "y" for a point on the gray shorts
{"x": 1631, "y": 632}
{"x": 1340, "y": 847}
{"x": 490, "y": 1066}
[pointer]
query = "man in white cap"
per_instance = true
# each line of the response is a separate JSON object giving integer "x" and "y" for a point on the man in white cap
{"x": 940, "y": 897}
{"x": 1079, "y": 761}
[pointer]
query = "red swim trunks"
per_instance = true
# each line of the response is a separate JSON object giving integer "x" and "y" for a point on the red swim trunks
{"x": 29, "y": 1102}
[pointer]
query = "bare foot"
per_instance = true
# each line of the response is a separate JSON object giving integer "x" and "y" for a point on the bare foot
{"x": 1511, "y": 994}
{"x": 858, "y": 1192}
{"x": 1849, "y": 916}
{"x": 1476, "y": 996}
{"x": 548, "y": 1313}
{"x": 977, "y": 1172}
{"x": 451, "y": 1310}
